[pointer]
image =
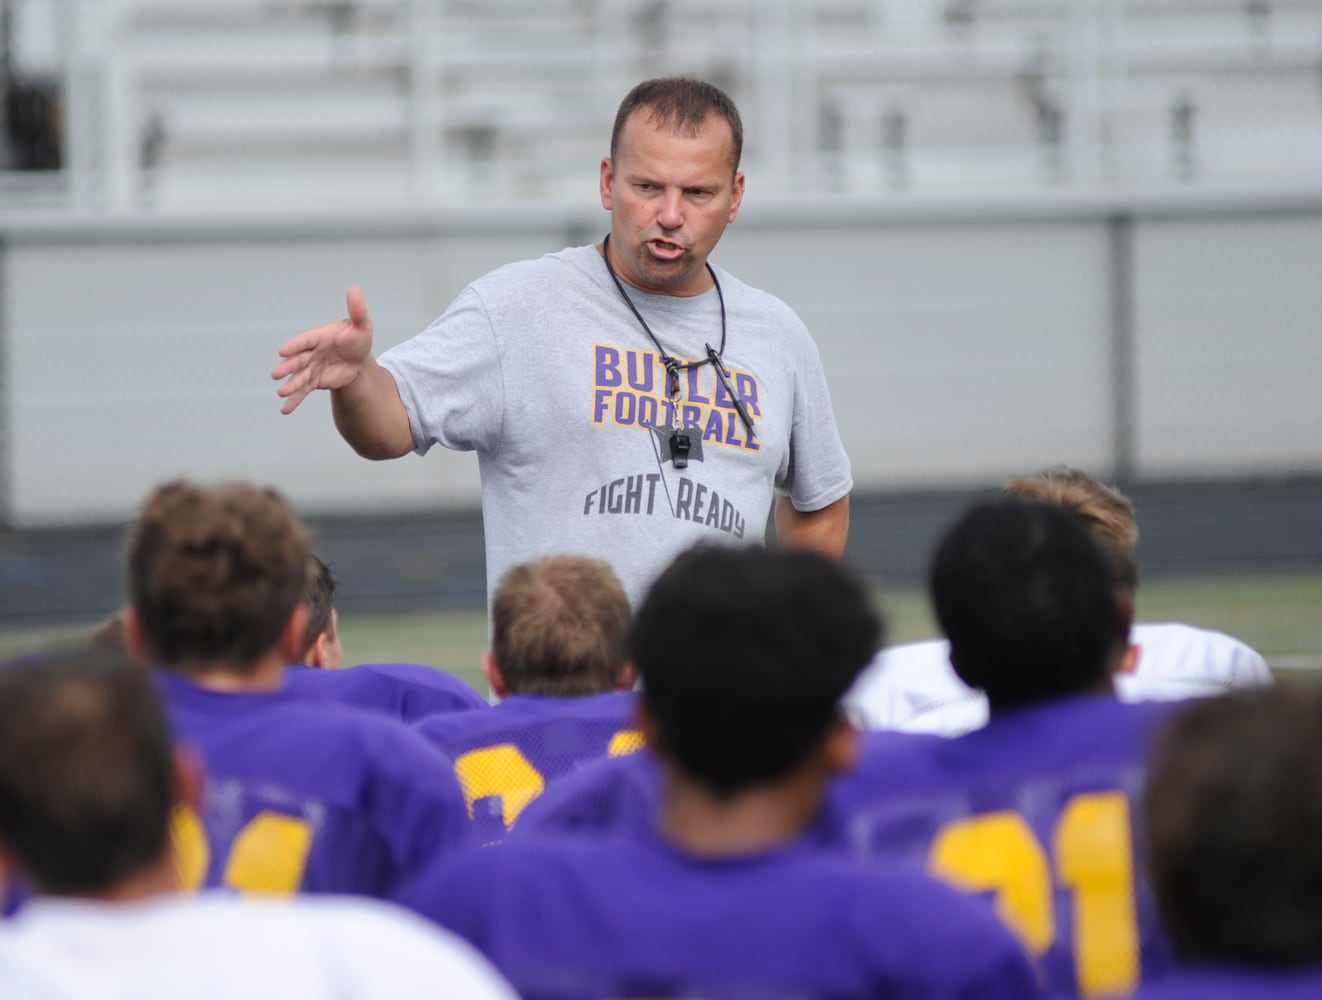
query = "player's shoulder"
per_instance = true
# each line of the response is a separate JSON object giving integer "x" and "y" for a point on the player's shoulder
{"x": 1178, "y": 660}
{"x": 1226, "y": 982}
{"x": 612, "y": 794}
{"x": 913, "y": 687}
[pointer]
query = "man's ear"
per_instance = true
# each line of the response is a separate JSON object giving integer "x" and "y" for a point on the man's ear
{"x": 1129, "y": 662}
{"x": 493, "y": 675}
{"x": 189, "y": 777}
{"x": 290, "y": 643}
{"x": 134, "y": 640}
{"x": 628, "y": 677}
{"x": 841, "y": 747}
{"x": 645, "y": 723}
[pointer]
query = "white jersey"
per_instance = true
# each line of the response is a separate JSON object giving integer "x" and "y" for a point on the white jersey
{"x": 218, "y": 947}
{"x": 913, "y": 687}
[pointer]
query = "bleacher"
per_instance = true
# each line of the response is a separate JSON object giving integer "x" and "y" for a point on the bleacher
{"x": 434, "y": 102}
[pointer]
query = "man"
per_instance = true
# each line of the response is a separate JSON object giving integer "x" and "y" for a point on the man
{"x": 88, "y": 781}
{"x": 1234, "y": 817}
{"x": 1034, "y": 809}
{"x": 408, "y": 692}
{"x": 744, "y": 654}
{"x": 913, "y": 688}
{"x": 626, "y": 399}
{"x": 301, "y": 796}
{"x": 559, "y": 661}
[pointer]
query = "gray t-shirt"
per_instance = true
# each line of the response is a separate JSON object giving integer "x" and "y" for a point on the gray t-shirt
{"x": 541, "y": 368}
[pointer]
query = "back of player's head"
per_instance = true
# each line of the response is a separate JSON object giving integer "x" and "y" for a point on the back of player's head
{"x": 214, "y": 573}
{"x": 1233, "y": 805}
{"x": 1106, "y": 511}
{"x": 319, "y": 596}
{"x": 1027, "y": 598}
{"x": 87, "y": 777}
{"x": 744, "y": 655}
{"x": 683, "y": 105}
{"x": 560, "y": 627}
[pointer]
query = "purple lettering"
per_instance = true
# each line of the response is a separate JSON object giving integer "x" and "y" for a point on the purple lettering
{"x": 712, "y": 432}
{"x": 642, "y": 369}
{"x": 600, "y": 404}
{"x": 693, "y": 379}
{"x": 608, "y": 366}
{"x": 746, "y": 386}
{"x": 647, "y": 409}
{"x": 626, "y": 408}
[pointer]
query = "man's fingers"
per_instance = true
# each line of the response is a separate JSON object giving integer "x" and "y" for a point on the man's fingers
{"x": 291, "y": 404}
{"x": 357, "y": 304}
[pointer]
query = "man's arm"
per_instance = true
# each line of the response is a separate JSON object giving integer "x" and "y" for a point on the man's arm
{"x": 824, "y": 530}
{"x": 365, "y": 401}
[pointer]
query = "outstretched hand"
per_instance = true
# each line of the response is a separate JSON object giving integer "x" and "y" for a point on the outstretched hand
{"x": 328, "y": 356}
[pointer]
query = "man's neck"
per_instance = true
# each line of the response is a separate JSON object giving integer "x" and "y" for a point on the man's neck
{"x": 157, "y": 879}
{"x": 268, "y": 674}
{"x": 757, "y": 819}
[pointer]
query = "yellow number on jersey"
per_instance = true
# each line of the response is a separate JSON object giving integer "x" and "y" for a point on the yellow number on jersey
{"x": 269, "y": 854}
{"x": 502, "y": 770}
{"x": 998, "y": 852}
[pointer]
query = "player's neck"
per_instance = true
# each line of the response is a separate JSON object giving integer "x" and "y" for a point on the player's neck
{"x": 158, "y": 879}
{"x": 758, "y": 819}
{"x": 268, "y": 674}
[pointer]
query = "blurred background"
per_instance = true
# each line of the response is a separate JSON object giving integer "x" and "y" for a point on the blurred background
{"x": 1022, "y": 232}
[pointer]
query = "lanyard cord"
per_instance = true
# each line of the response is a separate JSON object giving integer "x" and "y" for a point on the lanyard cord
{"x": 673, "y": 365}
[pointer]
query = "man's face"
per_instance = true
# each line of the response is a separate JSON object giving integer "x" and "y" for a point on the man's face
{"x": 670, "y": 197}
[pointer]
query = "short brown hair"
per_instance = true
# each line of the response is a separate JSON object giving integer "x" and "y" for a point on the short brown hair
{"x": 1233, "y": 810}
{"x": 684, "y": 104}
{"x": 87, "y": 777}
{"x": 560, "y": 627}
{"x": 214, "y": 573}
{"x": 1108, "y": 513}
{"x": 319, "y": 596}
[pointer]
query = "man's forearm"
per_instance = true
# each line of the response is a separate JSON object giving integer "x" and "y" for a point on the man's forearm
{"x": 370, "y": 416}
{"x": 824, "y": 530}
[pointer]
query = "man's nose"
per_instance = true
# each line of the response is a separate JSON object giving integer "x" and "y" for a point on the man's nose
{"x": 670, "y": 215}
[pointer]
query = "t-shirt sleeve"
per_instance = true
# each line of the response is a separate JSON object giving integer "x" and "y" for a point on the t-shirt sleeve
{"x": 818, "y": 472}
{"x": 449, "y": 378}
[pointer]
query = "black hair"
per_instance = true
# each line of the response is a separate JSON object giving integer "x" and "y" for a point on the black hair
{"x": 744, "y": 654}
{"x": 87, "y": 778}
{"x": 1233, "y": 806}
{"x": 1028, "y": 600}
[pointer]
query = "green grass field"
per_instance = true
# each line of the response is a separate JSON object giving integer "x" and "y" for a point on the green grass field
{"x": 1279, "y": 615}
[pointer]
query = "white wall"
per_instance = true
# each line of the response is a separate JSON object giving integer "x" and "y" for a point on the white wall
{"x": 959, "y": 348}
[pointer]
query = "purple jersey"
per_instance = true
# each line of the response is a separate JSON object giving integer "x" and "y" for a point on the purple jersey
{"x": 1236, "y": 982}
{"x": 308, "y": 797}
{"x": 583, "y": 918}
{"x": 623, "y": 795}
{"x": 1036, "y": 812}
{"x": 406, "y": 691}
{"x": 505, "y": 758}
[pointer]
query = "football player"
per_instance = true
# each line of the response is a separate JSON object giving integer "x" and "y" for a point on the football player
{"x": 405, "y": 691}
{"x": 300, "y": 795}
{"x": 88, "y": 780}
{"x": 559, "y": 662}
{"x": 1035, "y": 809}
{"x": 1234, "y": 817}
{"x": 912, "y": 687}
{"x": 743, "y": 654}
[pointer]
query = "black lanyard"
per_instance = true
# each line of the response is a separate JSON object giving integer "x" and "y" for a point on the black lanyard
{"x": 673, "y": 365}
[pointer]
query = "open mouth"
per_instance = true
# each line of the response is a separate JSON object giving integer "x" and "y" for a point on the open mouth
{"x": 665, "y": 249}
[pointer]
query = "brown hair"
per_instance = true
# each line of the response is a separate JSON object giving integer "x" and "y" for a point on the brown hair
{"x": 214, "y": 573}
{"x": 684, "y": 104}
{"x": 559, "y": 626}
{"x": 319, "y": 596}
{"x": 1107, "y": 512}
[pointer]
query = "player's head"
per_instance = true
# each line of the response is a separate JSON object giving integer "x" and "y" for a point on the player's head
{"x": 216, "y": 577}
{"x": 87, "y": 774}
{"x": 1029, "y": 602}
{"x": 321, "y": 637}
{"x": 1106, "y": 511}
{"x": 1233, "y": 805}
{"x": 671, "y": 183}
{"x": 744, "y": 655}
{"x": 559, "y": 627}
